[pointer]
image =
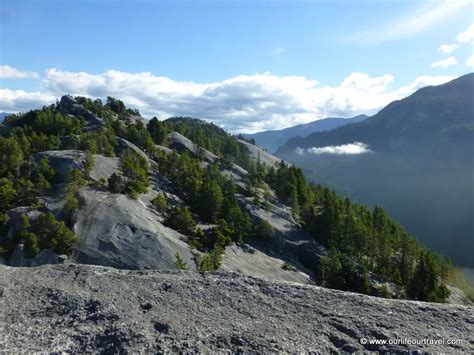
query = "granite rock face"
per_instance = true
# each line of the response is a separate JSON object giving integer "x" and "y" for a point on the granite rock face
{"x": 44, "y": 257}
{"x": 256, "y": 152}
{"x": 63, "y": 161}
{"x": 290, "y": 242}
{"x": 181, "y": 143}
{"x": 118, "y": 231}
{"x": 79, "y": 308}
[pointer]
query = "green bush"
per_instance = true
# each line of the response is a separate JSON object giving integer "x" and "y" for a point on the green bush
{"x": 264, "y": 230}
{"x": 134, "y": 170}
{"x": 210, "y": 261}
{"x": 115, "y": 183}
{"x": 160, "y": 202}
{"x": 180, "y": 264}
{"x": 54, "y": 234}
{"x": 181, "y": 220}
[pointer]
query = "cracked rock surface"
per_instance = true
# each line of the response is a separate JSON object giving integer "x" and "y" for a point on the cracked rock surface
{"x": 78, "y": 308}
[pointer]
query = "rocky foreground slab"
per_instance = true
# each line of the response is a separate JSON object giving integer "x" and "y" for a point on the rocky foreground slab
{"x": 77, "y": 308}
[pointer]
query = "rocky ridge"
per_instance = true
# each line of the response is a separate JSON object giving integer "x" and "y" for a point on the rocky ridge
{"x": 121, "y": 232}
{"x": 79, "y": 308}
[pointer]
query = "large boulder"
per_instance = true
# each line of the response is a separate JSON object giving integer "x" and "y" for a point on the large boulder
{"x": 118, "y": 231}
{"x": 44, "y": 257}
{"x": 63, "y": 161}
{"x": 125, "y": 145}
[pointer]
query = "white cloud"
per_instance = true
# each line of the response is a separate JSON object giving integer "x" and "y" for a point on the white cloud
{"x": 417, "y": 21}
{"x": 423, "y": 81}
{"x": 466, "y": 36}
{"x": 344, "y": 149}
{"x": 364, "y": 82}
{"x": 19, "y": 100}
{"x": 8, "y": 72}
{"x": 445, "y": 63}
{"x": 448, "y": 48}
{"x": 470, "y": 61}
{"x": 245, "y": 103}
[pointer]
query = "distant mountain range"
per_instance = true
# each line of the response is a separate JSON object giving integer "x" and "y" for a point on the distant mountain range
{"x": 416, "y": 159}
{"x": 272, "y": 140}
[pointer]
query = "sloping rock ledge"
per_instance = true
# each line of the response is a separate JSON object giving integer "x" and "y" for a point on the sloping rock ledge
{"x": 79, "y": 308}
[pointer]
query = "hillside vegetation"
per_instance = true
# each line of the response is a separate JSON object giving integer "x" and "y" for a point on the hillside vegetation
{"x": 201, "y": 197}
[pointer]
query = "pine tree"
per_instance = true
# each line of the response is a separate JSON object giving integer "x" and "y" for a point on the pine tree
{"x": 89, "y": 163}
{"x": 115, "y": 183}
{"x": 160, "y": 202}
{"x": 210, "y": 200}
{"x": 181, "y": 220}
{"x": 158, "y": 131}
{"x": 180, "y": 264}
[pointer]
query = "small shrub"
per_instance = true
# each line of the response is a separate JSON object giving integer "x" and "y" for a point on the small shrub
{"x": 288, "y": 267}
{"x": 180, "y": 263}
{"x": 264, "y": 230}
{"x": 181, "y": 220}
{"x": 115, "y": 184}
{"x": 160, "y": 203}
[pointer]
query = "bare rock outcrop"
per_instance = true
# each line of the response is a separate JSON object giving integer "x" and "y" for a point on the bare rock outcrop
{"x": 69, "y": 106}
{"x": 104, "y": 167}
{"x": 44, "y": 257}
{"x": 63, "y": 161}
{"x": 256, "y": 152}
{"x": 181, "y": 143}
{"x": 81, "y": 308}
{"x": 247, "y": 260}
{"x": 118, "y": 231}
{"x": 290, "y": 241}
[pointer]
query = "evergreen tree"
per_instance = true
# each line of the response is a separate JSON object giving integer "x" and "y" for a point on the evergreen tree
{"x": 158, "y": 131}
{"x": 134, "y": 169}
{"x": 54, "y": 234}
{"x": 210, "y": 200}
{"x": 181, "y": 220}
{"x": 89, "y": 163}
{"x": 115, "y": 183}
{"x": 180, "y": 264}
{"x": 264, "y": 230}
{"x": 160, "y": 202}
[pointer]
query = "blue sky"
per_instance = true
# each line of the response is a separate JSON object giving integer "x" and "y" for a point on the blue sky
{"x": 247, "y": 65}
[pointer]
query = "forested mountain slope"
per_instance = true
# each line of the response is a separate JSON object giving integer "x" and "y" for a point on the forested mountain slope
{"x": 417, "y": 162}
{"x": 98, "y": 183}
